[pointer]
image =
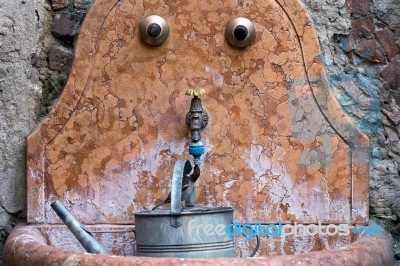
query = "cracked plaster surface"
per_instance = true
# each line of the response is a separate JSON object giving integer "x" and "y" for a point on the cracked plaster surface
{"x": 278, "y": 147}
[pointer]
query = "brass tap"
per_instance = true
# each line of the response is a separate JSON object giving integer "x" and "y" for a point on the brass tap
{"x": 196, "y": 92}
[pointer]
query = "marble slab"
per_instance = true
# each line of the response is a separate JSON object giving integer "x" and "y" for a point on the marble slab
{"x": 278, "y": 146}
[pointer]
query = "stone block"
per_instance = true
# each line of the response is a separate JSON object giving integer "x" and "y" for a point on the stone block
{"x": 358, "y": 8}
{"x": 391, "y": 73}
{"x": 346, "y": 44}
{"x": 59, "y": 57}
{"x": 362, "y": 27}
{"x": 387, "y": 39}
{"x": 82, "y": 3}
{"x": 368, "y": 50}
{"x": 58, "y": 4}
{"x": 66, "y": 24}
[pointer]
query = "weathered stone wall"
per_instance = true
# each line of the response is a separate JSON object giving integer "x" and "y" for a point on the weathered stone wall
{"x": 36, "y": 44}
{"x": 360, "y": 41}
{"x": 22, "y": 27}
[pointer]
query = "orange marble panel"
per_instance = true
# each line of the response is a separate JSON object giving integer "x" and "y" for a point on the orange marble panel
{"x": 278, "y": 146}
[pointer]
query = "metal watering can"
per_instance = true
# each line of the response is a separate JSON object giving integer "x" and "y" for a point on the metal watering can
{"x": 191, "y": 232}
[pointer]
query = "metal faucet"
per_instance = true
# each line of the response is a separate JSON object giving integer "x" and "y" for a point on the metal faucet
{"x": 184, "y": 174}
{"x": 196, "y": 120}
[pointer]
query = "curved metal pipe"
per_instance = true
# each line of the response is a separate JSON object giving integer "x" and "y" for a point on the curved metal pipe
{"x": 84, "y": 237}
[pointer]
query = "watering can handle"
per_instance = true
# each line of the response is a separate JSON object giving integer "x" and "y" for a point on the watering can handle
{"x": 256, "y": 248}
{"x": 257, "y": 245}
{"x": 180, "y": 170}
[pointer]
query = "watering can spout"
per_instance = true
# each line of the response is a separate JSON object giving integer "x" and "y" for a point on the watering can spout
{"x": 83, "y": 235}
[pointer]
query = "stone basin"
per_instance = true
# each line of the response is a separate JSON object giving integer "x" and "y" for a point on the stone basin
{"x": 55, "y": 245}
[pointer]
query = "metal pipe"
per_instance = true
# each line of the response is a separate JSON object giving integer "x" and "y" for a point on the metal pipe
{"x": 84, "y": 237}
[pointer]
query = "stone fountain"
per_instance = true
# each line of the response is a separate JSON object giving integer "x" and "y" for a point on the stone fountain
{"x": 280, "y": 149}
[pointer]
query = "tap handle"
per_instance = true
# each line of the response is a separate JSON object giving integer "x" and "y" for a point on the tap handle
{"x": 196, "y": 92}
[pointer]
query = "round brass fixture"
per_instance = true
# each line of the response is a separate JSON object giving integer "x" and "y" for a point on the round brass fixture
{"x": 240, "y": 32}
{"x": 153, "y": 30}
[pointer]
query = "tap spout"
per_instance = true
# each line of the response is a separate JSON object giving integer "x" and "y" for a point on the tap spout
{"x": 196, "y": 119}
